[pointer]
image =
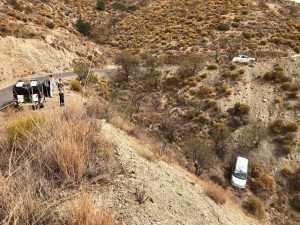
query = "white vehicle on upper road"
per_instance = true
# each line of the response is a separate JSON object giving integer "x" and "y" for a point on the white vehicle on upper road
{"x": 243, "y": 59}
{"x": 240, "y": 172}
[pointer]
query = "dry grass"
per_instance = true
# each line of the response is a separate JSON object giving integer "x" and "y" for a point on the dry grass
{"x": 44, "y": 154}
{"x": 256, "y": 207}
{"x": 216, "y": 193}
{"x": 85, "y": 213}
{"x": 287, "y": 171}
{"x": 123, "y": 124}
{"x": 75, "y": 85}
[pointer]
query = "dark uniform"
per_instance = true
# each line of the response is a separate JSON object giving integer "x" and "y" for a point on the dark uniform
{"x": 61, "y": 93}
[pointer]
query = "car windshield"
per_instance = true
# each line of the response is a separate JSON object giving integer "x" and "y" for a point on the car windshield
{"x": 240, "y": 175}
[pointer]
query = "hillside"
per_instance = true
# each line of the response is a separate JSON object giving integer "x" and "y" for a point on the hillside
{"x": 166, "y": 28}
{"x": 122, "y": 178}
{"x": 153, "y": 141}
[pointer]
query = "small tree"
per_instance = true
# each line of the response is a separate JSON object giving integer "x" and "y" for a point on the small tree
{"x": 128, "y": 62}
{"x": 100, "y": 5}
{"x": 201, "y": 152}
{"x": 219, "y": 134}
{"x": 151, "y": 62}
{"x": 82, "y": 70}
{"x": 191, "y": 64}
{"x": 83, "y": 27}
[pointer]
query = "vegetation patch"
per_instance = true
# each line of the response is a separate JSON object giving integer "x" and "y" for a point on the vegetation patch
{"x": 83, "y": 27}
{"x": 75, "y": 85}
{"x": 256, "y": 207}
{"x": 216, "y": 193}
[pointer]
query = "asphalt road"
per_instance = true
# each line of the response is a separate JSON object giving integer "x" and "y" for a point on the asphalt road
{"x": 6, "y": 94}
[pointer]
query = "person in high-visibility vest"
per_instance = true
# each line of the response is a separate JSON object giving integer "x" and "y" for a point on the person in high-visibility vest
{"x": 60, "y": 86}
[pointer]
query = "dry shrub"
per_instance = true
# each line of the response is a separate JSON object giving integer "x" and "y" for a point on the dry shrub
{"x": 212, "y": 67}
{"x": 171, "y": 80}
{"x": 48, "y": 153}
{"x": 123, "y": 124}
{"x": 276, "y": 75}
{"x": 205, "y": 91}
{"x": 256, "y": 207}
{"x": 277, "y": 126}
{"x": 75, "y": 85}
{"x": 262, "y": 183}
{"x": 97, "y": 109}
{"x": 216, "y": 193}
{"x": 22, "y": 197}
{"x": 18, "y": 129}
{"x": 85, "y": 213}
{"x": 11, "y": 110}
{"x": 265, "y": 182}
{"x": 287, "y": 171}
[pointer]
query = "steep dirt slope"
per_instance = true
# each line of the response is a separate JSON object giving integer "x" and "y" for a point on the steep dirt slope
{"x": 40, "y": 36}
{"x": 173, "y": 196}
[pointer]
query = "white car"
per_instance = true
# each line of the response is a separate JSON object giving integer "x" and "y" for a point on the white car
{"x": 240, "y": 172}
{"x": 243, "y": 59}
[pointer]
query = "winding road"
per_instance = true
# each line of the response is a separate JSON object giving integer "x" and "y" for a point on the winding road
{"x": 6, "y": 93}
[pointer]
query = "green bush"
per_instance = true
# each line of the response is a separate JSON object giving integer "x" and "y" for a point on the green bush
{"x": 286, "y": 85}
{"x": 288, "y": 142}
{"x": 256, "y": 207}
{"x": 241, "y": 109}
{"x": 100, "y": 5}
{"x": 277, "y": 126}
{"x": 83, "y": 27}
{"x": 75, "y": 85}
{"x": 222, "y": 27}
{"x": 235, "y": 24}
{"x": 233, "y": 66}
{"x": 120, "y": 6}
{"x": 291, "y": 127}
{"x": 276, "y": 75}
{"x": 287, "y": 149}
{"x": 220, "y": 132}
{"x": 248, "y": 34}
{"x": 190, "y": 114}
{"x": 205, "y": 91}
{"x": 212, "y": 67}
{"x": 50, "y": 25}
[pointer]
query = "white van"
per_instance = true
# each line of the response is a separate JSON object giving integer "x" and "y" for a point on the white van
{"x": 29, "y": 92}
{"x": 240, "y": 172}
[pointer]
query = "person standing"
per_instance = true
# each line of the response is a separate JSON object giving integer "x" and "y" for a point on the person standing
{"x": 52, "y": 85}
{"x": 60, "y": 86}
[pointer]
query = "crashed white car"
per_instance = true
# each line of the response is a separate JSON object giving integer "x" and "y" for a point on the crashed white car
{"x": 243, "y": 59}
{"x": 240, "y": 172}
